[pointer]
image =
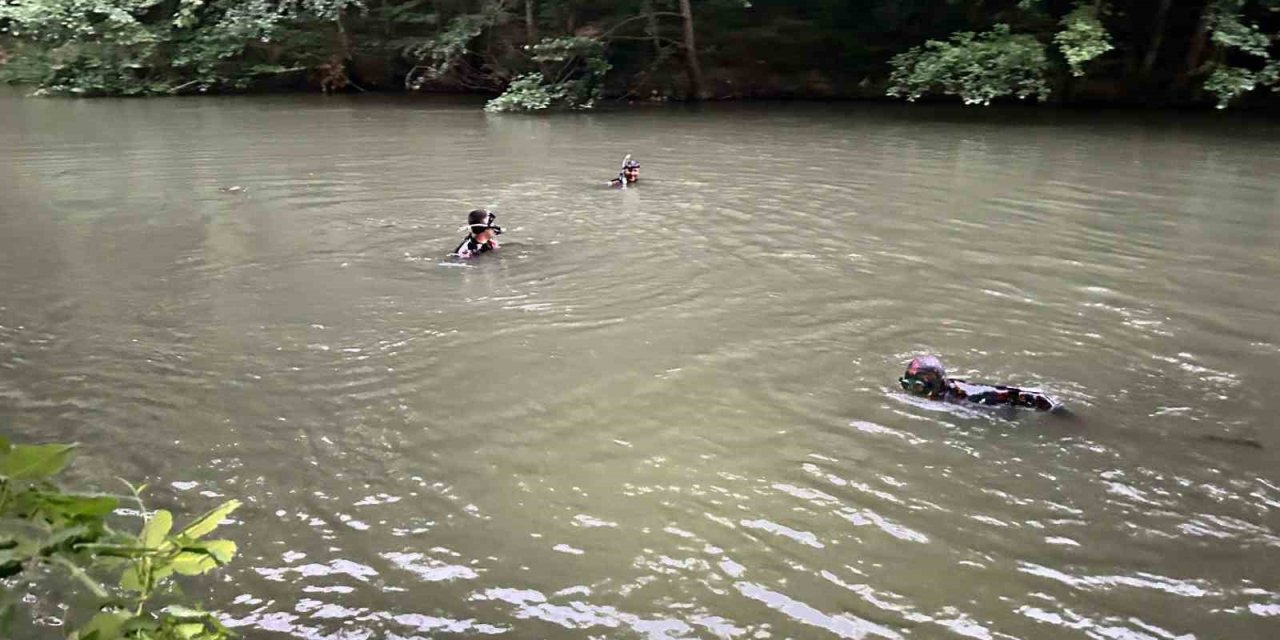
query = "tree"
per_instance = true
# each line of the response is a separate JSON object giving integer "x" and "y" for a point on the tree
{"x": 980, "y": 67}
{"x": 980, "y": 50}
{"x": 575, "y": 70}
{"x": 1244, "y": 41}
{"x": 1082, "y": 37}
{"x": 133, "y": 47}
{"x": 530, "y": 25}
{"x": 1157, "y": 38}
{"x": 691, "y": 52}
{"x": 977, "y": 67}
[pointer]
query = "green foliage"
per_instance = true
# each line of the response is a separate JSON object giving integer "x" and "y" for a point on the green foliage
{"x": 1228, "y": 83}
{"x": 1230, "y": 31}
{"x": 42, "y": 525}
{"x": 85, "y": 46}
{"x": 976, "y": 67}
{"x": 1082, "y": 37}
{"x": 441, "y": 53}
{"x": 527, "y": 92}
{"x": 34, "y": 462}
{"x": 137, "y": 47}
{"x": 636, "y": 47}
{"x": 576, "y": 71}
{"x": 445, "y": 55}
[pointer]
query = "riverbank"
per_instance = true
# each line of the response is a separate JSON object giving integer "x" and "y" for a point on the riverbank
{"x": 547, "y": 54}
{"x": 746, "y": 93}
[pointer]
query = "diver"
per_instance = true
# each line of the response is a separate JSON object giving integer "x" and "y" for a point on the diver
{"x": 629, "y": 175}
{"x": 483, "y": 234}
{"x": 926, "y": 378}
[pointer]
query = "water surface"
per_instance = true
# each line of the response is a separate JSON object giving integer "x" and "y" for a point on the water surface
{"x": 670, "y": 411}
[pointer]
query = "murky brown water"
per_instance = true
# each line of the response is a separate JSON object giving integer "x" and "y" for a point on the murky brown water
{"x": 670, "y": 411}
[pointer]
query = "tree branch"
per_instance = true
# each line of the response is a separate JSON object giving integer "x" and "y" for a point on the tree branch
{"x": 634, "y": 18}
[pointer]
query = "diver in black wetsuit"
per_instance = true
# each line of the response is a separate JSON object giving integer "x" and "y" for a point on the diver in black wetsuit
{"x": 483, "y": 235}
{"x": 629, "y": 175}
{"x": 925, "y": 377}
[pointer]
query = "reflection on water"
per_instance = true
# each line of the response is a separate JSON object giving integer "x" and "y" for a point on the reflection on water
{"x": 668, "y": 411}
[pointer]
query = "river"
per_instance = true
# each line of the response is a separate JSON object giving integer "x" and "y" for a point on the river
{"x": 669, "y": 411}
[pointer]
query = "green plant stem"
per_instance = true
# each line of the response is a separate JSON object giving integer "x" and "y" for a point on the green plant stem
{"x": 83, "y": 577}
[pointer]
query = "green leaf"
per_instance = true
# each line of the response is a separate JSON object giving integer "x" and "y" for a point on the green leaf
{"x": 159, "y": 574}
{"x": 157, "y": 528}
{"x": 199, "y": 559}
{"x": 35, "y": 462}
{"x": 23, "y": 536}
{"x": 193, "y": 563}
{"x": 62, "y": 535}
{"x": 11, "y": 562}
{"x": 104, "y": 626}
{"x": 180, "y": 612}
{"x": 8, "y": 612}
{"x": 71, "y": 504}
{"x": 221, "y": 550}
{"x": 140, "y": 627}
{"x": 131, "y": 579}
{"x": 210, "y": 521}
{"x": 189, "y": 629}
{"x": 101, "y": 562}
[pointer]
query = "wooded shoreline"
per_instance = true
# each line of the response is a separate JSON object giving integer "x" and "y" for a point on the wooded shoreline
{"x": 539, "y": 54}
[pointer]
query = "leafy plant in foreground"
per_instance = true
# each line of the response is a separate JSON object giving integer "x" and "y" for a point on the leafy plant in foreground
{"x": 43, "y": 526}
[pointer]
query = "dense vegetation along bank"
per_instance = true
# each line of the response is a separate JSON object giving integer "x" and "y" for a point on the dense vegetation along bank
{"x": 545, "y": 53}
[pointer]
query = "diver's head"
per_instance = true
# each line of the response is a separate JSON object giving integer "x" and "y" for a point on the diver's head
{"x": 924, "y": 377}
{"x": 631, "y": 170}
{"x": 480, "y": 221}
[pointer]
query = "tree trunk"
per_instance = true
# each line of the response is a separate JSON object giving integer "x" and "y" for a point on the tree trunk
{"x": 691, "y": 52}
{"x": 653, "y": 27}
{"x": 1199, "y": 42}
{"x": 530, "y": 26}
{"x": 344, "y": 38}
{"x": 975, "y": 15}
{"x": 1157, "y": 38}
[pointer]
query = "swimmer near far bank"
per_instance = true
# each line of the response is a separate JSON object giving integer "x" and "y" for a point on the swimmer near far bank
{"x": 925, "y": 377}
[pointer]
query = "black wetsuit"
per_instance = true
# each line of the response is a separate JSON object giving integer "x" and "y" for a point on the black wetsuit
{"x": 991, "y": 395}
{"x": 470, "y": 247}
{"x": 926, "y": 377}
{"x": 622, "y": 180}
